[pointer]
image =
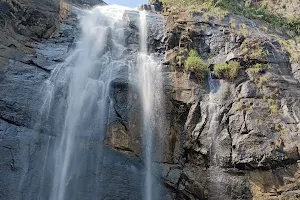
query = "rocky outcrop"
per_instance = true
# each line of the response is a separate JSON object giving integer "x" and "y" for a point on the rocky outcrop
{"x": 25, "y": 22}
{"x": 238, "y": 135}
{"x": 155, "y": 6}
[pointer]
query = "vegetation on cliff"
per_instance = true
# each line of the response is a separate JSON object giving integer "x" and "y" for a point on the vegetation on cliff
{"x": 194, "y": 63}
{"x": 228, "y": 70}
{"x": 219, "y": 8}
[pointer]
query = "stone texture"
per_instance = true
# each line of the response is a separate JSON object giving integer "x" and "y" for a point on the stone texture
{"x": 235, "y": 130}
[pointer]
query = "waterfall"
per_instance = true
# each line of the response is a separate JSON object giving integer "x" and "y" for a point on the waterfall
{"x": 145, "y": 66}
{"x": 213, "y": 110}
{"x": 84, "y": 78}
{"x": 79, "y": 106}
{"x": 150, "y": 80}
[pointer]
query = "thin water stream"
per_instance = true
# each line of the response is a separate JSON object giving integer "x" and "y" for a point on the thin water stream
{"x": 150, "y": 79}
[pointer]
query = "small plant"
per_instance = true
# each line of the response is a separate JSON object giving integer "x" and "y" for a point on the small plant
{"x": 258, "y": 68}
{"x": 228, "y": 70}
{"x": 280, "y": 128}
{"x": 244, "y": 30}
{"x": 260, "y": 122}
{"x": 232, "y": 24}
{"x": 261, "y": 81}
{"x": 273, "y": 105}
{"x": 273, "y": 108}
{"x": 271, "y": 101}
{"x": 194, "y": 63}
{"x": 240, "y": 106}
{"x": 249, "y": 108}
{"x": 292, "y": 47}
{"x": 278, "y": 143}
{"x": 252, "y": 50}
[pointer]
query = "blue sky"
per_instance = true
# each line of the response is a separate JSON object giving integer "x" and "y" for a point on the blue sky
{"x": 128, "y": 3}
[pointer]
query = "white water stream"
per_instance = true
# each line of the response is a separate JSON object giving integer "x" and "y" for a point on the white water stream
{"x": 150, "y": 79}
{"x": 87, "y": 72}
{"x": 81, "y": 111}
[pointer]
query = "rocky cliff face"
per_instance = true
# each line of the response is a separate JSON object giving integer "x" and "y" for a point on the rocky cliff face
{"x": 223, "y": 139}
{"x": 239, "y": 137}
{"x": 24, "y": 22}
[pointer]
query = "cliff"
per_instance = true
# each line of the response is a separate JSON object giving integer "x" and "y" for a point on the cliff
{"x": 24, "y": 22}
{"x": 238, "y": 105}
{"x": 232, "y": 102}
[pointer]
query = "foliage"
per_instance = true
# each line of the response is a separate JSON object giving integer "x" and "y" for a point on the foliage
{"x": 228, "y": 70}
{"x": 273, "y": 108}
{"x": 292, "y": 46}
{"x": 258, "y": 68}
{"x": 244, "y": 30}
{"x": 280, "y": 128}
{"x": 252, "y": 50}
{"x": 289, "y": 24}
{"x": 232, "y": 24}
{"x": 196, "y": 5}
{"x": 194, "y": 63}
{"x": 273, "y": 105}
{"x": 221, "y": 8}
{"x": 261, "y": 81}
{"x": 240, "y": 106}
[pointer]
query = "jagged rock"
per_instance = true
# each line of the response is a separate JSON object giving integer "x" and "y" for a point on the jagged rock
{"x": 237, "y": 141}
{"x": 253, "y": 122}
{"x": 247, "y": 90}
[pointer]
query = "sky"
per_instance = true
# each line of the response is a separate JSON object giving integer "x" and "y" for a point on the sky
{"x": 128, "y": 3}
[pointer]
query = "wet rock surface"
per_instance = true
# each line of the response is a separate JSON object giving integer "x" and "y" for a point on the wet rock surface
{"x": 26, "y": 140}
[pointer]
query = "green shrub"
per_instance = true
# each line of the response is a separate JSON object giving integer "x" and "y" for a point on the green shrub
{"x": 258, "y": 68}
{"x": 292, "y": 47}
{"x": 244, "y": 30}
{"x": 252, "y": 50}
{"x": 228, "y": 70}
{"x": 273, "y": 109}
{"x": 194, "y": 63}
{"x": 261, "y": 81}
{"x": 221, "y": 8}
{"x": 195, "y": 5}
{"x": 289, "y": 24}
{"x": 273, "y": 105}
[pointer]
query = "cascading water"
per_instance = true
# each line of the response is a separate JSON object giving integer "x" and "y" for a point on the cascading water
{"x": 212, "y": 106}
{"x": 150, "y": 80}
{"x": 144, "y": 64}
{"x": 81, "y": 102}
{"x": 213, "y": 110}
{"x": 84, "y": 78}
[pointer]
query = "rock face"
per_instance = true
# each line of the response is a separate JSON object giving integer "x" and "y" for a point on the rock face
{"x": 223, "y": 139}
{"x": 237, "y": 137}
{"x": 24, "y": 22}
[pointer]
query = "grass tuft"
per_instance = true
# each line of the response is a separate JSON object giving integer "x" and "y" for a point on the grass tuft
{"x": 195, "y": 64}
{"x": 228, "y": 70}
